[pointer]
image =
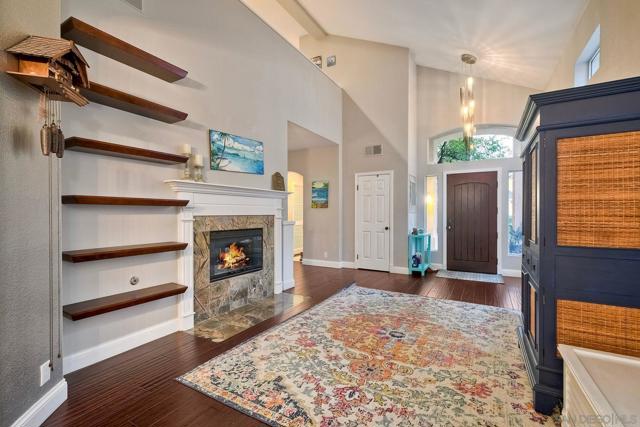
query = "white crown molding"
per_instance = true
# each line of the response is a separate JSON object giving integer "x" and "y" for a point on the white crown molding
{"x": 44, "y": 407}
{"x": 184, "y": 186}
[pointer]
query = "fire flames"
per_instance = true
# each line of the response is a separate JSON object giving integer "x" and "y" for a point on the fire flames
{"x": 232, "y": 257}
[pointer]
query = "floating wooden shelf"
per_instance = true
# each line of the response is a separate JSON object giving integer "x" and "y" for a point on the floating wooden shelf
{"x": 96, "y": 254}
{"x": 120, "y": 201}
{"x": 94, "y": 307}
{"x": 112, "y": 47}
{"x": 126, "y": 102}
{"x": 94, "y": 146}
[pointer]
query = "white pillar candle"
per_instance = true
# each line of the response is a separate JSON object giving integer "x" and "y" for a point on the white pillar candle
{"x": 186, "y": 149}
{"x": 197, "y": 160}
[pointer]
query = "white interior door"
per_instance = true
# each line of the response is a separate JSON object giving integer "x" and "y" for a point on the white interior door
{"x": 373, "y": 222}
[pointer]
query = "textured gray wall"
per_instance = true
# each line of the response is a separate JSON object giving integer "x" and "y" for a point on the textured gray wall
{"x": 25, "y": 265}
{"x": 321, "y": 226}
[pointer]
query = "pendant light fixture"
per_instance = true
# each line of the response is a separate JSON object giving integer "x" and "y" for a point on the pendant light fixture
{"x": 467, "y": 102}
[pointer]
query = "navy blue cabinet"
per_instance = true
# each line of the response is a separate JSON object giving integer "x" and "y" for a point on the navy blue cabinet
{"x": 581, "y": 254}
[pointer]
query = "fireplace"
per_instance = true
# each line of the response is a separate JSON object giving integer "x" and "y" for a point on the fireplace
{"x": 235, "y": 252}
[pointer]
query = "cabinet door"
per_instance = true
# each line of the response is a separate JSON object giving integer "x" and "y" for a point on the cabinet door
{"x": 534, "y": 185}
{"x": 531, "y": 196}
{"x": 533, "y": 316}
{"x": 598, "y": 191}
{"x": 530, "y": 302}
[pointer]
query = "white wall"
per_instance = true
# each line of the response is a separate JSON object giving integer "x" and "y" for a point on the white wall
{"x": 321, "y": 230}
{"x": 375, "y": 78}
{"x": 412, "y": 140}
{"x": 619, "y": 47}
{"x": 439, "y": 111}
{"x": 243, "y": 78}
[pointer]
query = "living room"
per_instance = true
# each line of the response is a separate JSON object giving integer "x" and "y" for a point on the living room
{"x": 304, "y": 212}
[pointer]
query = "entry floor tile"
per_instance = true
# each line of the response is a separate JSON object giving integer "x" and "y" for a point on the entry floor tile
{"x": 221, "y": 327}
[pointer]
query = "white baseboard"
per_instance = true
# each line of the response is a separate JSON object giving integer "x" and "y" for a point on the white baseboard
{"x": 437, "y": 266}
{"x": 73, "y": 362}
{"x": 288, "y": 285}
{"x": 399, "y": 270}
{"x": 44, "y": 407}
{"x": 321, "y": 263}
{"x": 347, "y": 264}
{"x": 510, "y": 273}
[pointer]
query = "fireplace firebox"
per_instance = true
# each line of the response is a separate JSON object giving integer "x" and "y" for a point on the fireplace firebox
{"x": 235, "y": 252}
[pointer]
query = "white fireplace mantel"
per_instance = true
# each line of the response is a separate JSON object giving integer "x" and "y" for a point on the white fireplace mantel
{"x": 184, "y": 186}
{"x": 207, "y": 199}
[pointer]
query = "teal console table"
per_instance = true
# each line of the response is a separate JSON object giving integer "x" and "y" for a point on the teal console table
{"x": 420, "y": 244}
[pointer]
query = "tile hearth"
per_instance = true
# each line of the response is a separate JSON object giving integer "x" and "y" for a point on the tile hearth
{"x": 219, "y": 328}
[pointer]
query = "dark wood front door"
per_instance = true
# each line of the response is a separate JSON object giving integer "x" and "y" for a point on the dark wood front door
{"x": 472, "y": 207}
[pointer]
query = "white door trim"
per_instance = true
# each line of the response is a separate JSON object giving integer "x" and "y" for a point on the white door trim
{"x": 391, "y": 223}
{"x": 498, "y": 223}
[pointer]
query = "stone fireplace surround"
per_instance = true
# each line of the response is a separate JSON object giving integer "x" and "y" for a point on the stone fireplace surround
{"x": 221, "y": 296}
{"x": 208, "y": 201}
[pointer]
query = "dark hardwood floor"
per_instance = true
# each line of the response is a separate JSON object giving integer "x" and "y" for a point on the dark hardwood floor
{"x": 138, "y": 388}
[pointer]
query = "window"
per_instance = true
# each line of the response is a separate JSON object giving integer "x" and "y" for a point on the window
{"x": 431, "y": 209}
{"x": 514, "y": 220}
{"x": 491, "y": 142}
{"x": 594, "y": 63}
{"x": 588, "y": 62}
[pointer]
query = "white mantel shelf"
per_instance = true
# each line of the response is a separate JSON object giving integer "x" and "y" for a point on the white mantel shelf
{"x": 184, "y": 186}
{"x": 207, "y": 199}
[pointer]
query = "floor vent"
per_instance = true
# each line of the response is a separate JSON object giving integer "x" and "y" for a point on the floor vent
{"x": 373, "y": 150}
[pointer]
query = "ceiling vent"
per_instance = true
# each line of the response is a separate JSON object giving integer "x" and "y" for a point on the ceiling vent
{"x": 135, "y": 3}
{"x": 373, "y": 150}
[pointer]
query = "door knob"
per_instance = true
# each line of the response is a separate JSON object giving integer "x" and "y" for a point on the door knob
{"x": 449, "y": 227}
{"x": 387, "y": 227}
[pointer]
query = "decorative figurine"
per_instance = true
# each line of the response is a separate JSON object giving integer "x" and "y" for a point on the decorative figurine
{"x": 277, "y": 182}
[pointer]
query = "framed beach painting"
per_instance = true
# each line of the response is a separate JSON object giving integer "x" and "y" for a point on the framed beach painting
{"x": 234, "y": 153}
{"x": 320, "y": 194}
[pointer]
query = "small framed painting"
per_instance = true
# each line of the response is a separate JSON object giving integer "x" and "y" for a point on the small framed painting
{"x": 317, "y": 60}
{"x": 320, "y": 194}
{"x": 234, "y": 153}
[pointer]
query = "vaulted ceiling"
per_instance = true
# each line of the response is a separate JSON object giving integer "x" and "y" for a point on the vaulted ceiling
{"x": 516, "y": 41}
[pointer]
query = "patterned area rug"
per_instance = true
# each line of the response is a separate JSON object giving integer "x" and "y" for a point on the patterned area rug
{"x": 370, "y": 357}
{"x": 475, "y": 277}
